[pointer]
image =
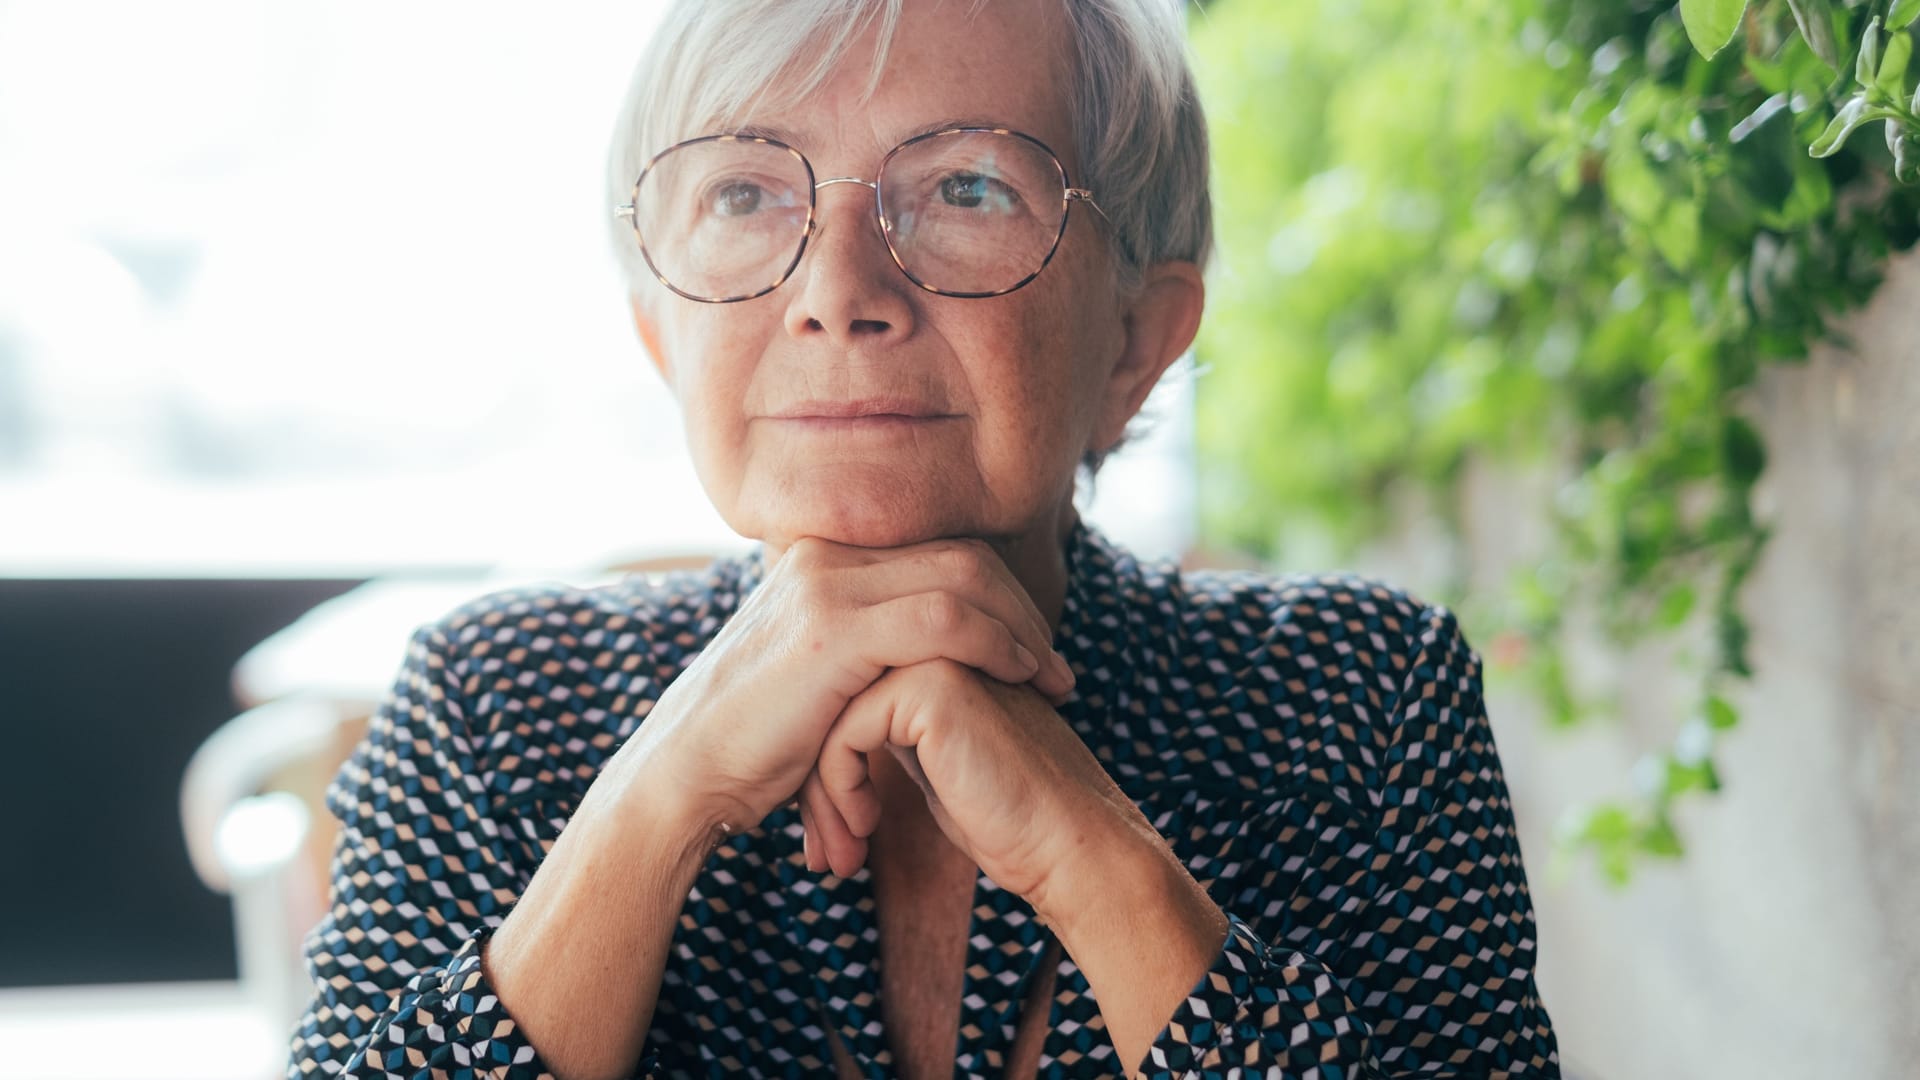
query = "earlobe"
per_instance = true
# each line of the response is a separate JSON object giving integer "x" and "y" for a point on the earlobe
{"x": 1160, "y": 324}
{"x": 650, "y": 338}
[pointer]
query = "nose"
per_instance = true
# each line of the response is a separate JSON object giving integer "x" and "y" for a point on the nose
{"x": 847, "y": 286}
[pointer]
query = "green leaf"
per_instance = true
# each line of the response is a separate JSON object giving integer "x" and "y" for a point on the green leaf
{"x": 1678, "y": 237}
{"x": 1764, "y": 152}
{"x": 1892, "y": 76}
{"x": 1745, "y": 453}
{"x": 1608, "y": 823}
{"x": 1815, "y": 18}
{"x": 1866, "y": 66}
{"x": 1675, "y": 605}
{"x": 1711, "y": 23}
{"x": 1659, "y": 838}
{"x": 1854, "y": 113}
{"x": 1720, "y": 715}
{"x": 1903, "y": 14}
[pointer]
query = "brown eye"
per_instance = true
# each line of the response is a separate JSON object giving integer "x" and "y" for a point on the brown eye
{"x": 738, "y": 199}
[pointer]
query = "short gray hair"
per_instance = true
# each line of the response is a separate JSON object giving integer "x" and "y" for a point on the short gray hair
{"x": 1139, "y": 132}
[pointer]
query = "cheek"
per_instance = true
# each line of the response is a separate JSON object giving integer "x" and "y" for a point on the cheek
{"x": 1041, "y": 407}
{"x": 712, "y": 372}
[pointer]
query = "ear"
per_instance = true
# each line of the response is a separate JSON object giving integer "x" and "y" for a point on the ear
{"x": 1159, "y": 324}
{"x": 649, "y": 329}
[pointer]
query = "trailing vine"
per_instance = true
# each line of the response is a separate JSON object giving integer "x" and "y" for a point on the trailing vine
{"x": 1553, "y": 233}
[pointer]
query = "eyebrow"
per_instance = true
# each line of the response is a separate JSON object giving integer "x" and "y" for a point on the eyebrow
{"x": 791, "y": 139}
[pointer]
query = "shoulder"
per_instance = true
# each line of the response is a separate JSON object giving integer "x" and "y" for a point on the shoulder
{"x": 1314, "y": 627}
{"x": 1323, "y": 642}
{"x": 675, "y": 612}
{"x": 543, "y": 682}
{"x": 1327, "y": 678}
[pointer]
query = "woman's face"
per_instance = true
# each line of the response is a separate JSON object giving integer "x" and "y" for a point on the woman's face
{"x": 1014, "y": 387}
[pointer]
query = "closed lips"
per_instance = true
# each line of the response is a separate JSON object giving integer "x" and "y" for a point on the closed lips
{"x": 892, "y": 408}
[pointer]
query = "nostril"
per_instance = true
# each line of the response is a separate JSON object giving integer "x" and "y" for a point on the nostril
{"x": 857, "y": 326}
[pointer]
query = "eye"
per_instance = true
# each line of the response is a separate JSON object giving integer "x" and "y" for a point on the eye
{"x": 969, "y": 190}
{"x": 735, "y": 198}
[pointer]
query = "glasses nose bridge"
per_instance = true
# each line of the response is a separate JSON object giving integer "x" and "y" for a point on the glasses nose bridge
{"x": 872, "y": 212}
{"x": 874, "y": 184}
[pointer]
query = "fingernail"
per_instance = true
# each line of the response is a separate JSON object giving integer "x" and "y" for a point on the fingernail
{"x": 1060, "y": 661}
{"x": 1025, "y": 656}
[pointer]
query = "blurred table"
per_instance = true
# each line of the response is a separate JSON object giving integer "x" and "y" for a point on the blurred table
{"x": 349, "y": 649}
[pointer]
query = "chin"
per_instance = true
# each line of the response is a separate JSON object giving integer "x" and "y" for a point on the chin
{"x": 879, "y": 509}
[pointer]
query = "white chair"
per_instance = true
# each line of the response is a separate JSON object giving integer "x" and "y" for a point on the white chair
{"x": 248, "y": 804}
{"x": 252, "y": 799}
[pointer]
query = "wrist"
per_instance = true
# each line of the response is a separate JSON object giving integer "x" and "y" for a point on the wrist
{"x": 1140, "y": 928}
{"x": 654, "y": 810}
{"x": 1127, "y": 881}
{"x": 1096, "y": 852}
{"x": 651, "y": 780}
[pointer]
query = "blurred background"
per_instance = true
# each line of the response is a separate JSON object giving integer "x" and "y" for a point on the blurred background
{"x": 1597, "y": 321}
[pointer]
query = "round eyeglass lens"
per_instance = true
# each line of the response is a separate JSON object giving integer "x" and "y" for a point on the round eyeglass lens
{"x": 723, "y": 218}
{"x": 972, "y": 211}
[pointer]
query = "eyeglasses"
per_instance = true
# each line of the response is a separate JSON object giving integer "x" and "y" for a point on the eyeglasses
{"x": 967, "y": 212}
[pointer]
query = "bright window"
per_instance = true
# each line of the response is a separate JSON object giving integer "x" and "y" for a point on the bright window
{"x": 324, "y": 289}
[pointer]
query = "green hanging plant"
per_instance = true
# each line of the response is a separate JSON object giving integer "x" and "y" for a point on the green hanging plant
{"x": 1569, "y": 233}
{"x": 1879, "y": 68}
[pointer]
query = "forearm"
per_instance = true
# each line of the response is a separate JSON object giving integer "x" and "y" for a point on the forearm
{"x": 1140, "y": 928}
{"x": 579, "y": 959}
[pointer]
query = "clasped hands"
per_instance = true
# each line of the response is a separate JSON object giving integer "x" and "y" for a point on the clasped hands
{"x": 931, "y": 652}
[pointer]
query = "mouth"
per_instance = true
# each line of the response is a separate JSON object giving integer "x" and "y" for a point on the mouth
{"x": 867, "y": 414}
{"x": 864, "y": 408}
{"x": 872, "y": 422}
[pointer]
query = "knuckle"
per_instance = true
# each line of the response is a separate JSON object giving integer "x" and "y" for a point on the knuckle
{"x": 976, "y": 575}
{"x": 840, "y": 778}
{"x": 944, "y": 613}
{"x": 810, "y": 552}
{"x": 969, "y": 564}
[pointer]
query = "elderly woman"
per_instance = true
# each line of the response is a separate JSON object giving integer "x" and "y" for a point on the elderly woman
{"x": 938, "y": 780}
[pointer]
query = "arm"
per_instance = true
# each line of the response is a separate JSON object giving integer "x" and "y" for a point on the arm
{"x": 428, "y": 882}
{"x": 579, "y": 960}
{"x": 1436, "y": 976}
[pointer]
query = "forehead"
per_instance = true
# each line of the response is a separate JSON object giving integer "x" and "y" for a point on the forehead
{"x": 946, "y": 65}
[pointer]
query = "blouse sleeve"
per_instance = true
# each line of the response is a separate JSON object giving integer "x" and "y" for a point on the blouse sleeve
{"x": 1436, "y": 975}
{"x": 422, "y": 875}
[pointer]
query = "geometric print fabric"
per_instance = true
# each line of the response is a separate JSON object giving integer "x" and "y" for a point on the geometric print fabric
{"x": 1314, "y": 747}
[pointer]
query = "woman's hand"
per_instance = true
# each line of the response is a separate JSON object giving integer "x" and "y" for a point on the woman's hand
{"x": 744, "y": 723}
{"x": 1007, "y": 779}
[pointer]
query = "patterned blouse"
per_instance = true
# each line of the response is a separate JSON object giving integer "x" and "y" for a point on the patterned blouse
{"x": 1313, "y": 747}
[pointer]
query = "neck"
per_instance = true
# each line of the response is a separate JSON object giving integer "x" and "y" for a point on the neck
{"x": 1037, "y": 557}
